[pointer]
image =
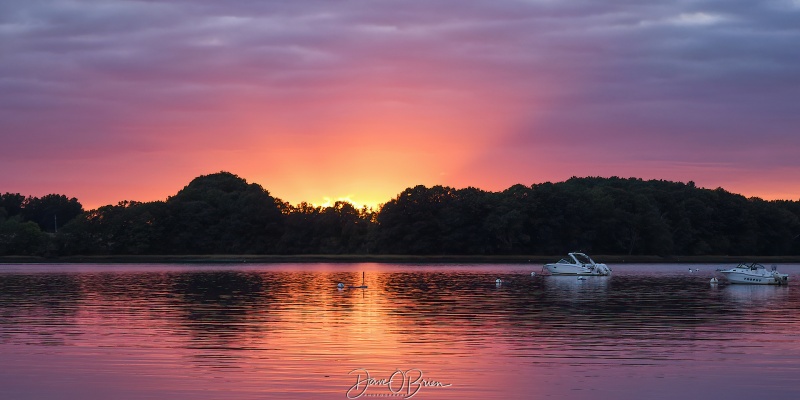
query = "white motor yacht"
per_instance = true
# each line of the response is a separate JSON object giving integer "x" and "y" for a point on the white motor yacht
{"x": 755, "y": 274}
{"x": 577, "y": 264}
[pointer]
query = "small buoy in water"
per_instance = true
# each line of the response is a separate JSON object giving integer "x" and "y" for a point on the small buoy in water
{"x": 714, "y": 280}
{"x": 690, "y": 270}
{"x": 340, "y": 285}
{"x": 581, "y": 278}
{"x": 498, "y": 281}
{"x": 533, "y": 273}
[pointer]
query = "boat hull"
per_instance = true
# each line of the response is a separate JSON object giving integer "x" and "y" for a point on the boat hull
{"x": 567, "y": 269}
{"x": 755, "y": 279}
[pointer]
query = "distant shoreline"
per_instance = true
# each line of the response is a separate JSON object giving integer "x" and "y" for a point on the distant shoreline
{"x": 386, "y": 259}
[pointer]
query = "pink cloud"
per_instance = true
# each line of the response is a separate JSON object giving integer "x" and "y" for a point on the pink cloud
{"x": 129, "y": 100}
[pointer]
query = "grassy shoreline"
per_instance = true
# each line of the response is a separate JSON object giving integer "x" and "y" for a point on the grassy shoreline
{"x": 393, "y": 259}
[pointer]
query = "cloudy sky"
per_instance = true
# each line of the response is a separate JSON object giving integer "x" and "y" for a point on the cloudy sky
{"x": 129, "y": 100}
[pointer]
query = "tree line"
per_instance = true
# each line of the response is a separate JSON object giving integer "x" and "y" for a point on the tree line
{"x": 224, "y": 214}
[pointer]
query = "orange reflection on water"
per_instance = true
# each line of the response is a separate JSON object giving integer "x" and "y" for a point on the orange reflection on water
{"x": 288, "y": 332}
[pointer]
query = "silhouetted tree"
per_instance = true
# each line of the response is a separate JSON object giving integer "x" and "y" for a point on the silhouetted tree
{"x": 129, "y": 227}
{"x": 11, "y": 203}
{"x": 51, "y": 210}
{"x": 22, "y": 238}
{"x": 222, "y": 213}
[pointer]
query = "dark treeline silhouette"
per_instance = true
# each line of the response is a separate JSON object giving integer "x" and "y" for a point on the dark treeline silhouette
{"x": 28, "y": 224}
{"x": 223, "y": 214}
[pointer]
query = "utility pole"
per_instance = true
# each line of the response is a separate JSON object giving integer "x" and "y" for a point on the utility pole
{"x": 55, "y": 223}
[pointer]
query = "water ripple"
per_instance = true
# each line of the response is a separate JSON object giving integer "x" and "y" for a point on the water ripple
{"x": 287, "y": 331}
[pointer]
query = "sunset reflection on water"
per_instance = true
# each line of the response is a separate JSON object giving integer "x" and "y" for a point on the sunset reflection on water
{"x": 286, "y": 331}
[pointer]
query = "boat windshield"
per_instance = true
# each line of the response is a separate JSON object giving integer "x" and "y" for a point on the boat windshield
{"x": 582, "y": 258}
{"x": 752, "y": 266}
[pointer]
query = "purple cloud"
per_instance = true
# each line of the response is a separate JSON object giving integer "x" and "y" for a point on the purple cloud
{"x": 670, "y": 82}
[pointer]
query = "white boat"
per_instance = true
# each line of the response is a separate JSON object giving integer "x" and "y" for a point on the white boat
{"x": 577, "y": 264}
{"x": 755, "y": 274}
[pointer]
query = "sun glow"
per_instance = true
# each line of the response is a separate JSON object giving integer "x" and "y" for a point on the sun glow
{"x": 358, "y": 204}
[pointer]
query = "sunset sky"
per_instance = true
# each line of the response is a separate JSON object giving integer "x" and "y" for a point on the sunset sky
{"x": 313, "y": 99}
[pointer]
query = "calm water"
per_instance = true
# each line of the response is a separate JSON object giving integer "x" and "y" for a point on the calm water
{"x": 286, "y": 331}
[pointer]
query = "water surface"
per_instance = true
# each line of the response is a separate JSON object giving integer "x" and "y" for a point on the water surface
{"x": 285, "y": 331}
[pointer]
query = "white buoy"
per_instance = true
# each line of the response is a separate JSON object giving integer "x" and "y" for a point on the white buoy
{"x": 581, "y": 278}
{"x": 340, "y": 285}
{"x": 690, "y": 270}
{"x": 498, "y": 281}
{"x": 533, "y": 273}
{"x": 714, "y": 280}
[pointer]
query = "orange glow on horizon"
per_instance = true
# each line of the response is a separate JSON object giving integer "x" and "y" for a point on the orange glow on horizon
{"x": 315, "y": 101}
{"x": 363, "y": 142}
